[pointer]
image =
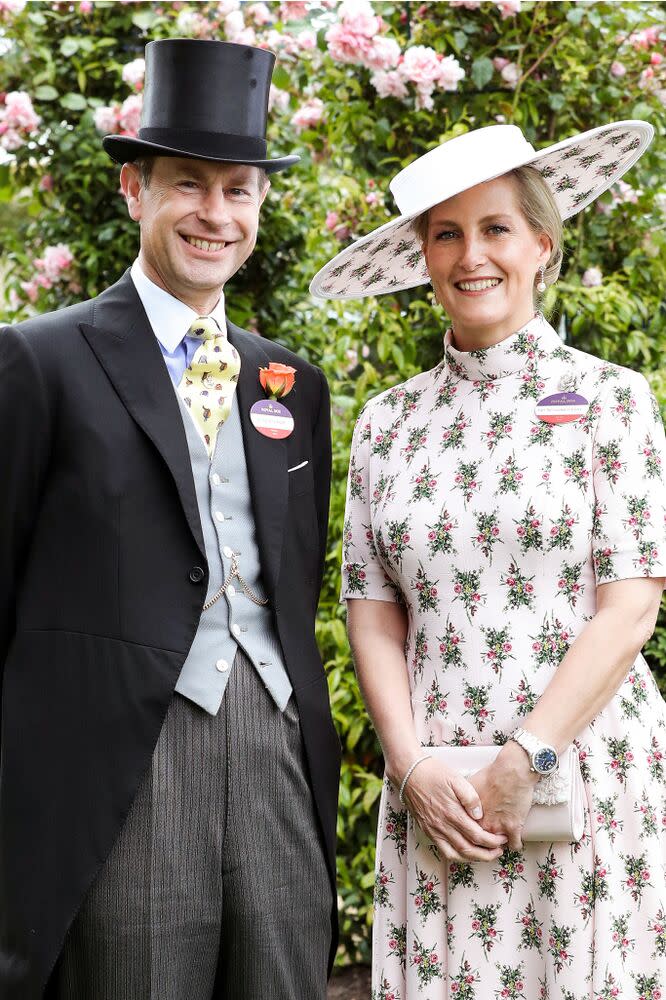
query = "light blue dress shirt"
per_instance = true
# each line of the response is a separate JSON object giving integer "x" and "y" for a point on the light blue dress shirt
{"x": 171, "y": 319}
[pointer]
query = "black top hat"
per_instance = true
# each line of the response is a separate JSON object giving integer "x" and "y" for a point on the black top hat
{"x": 203, "y": 99}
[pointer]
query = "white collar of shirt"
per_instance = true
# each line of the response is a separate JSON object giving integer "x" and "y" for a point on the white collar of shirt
{"x": 169, "y": 317}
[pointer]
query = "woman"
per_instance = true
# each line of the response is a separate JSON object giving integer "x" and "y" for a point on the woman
{"x": 503, "y": 571}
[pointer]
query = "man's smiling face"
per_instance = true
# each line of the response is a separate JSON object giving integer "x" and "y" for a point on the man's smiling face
{"x": 198, "y": 222}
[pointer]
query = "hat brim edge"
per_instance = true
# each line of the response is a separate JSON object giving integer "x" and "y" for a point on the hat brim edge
{"x": 125, "y": 149}
{"x": 324, "y": 272}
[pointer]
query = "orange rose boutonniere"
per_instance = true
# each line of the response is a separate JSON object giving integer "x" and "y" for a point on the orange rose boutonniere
{"x": 277, "y": 380}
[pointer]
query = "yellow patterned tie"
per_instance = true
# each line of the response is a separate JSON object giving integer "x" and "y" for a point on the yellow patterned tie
{"x": 208, "y": 384}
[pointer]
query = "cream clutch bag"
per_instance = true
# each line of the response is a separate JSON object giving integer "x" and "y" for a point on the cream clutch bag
{"x": 558, "y": 809}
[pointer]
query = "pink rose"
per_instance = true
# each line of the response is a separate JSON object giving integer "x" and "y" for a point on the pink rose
{"x": 234, "y": 25}
{"x": 19, "y": 112}
{"x": 10, "y": 8}
{"x": 384, "y": 54}
{"x": 307, "y": 40}
{"x": 56, "y": 260}
{"x": 129, "y": 116}
{"x": 31, "y": 289}
{"x": 247, "y": 36}
{"x": 189, "y": 22}
{"x": 592, "y": 278}
{"x": 10, "y": 138}
{"x": 134, "y": 73}
{"x": 508, "y": 8}
{"x": 509, "y": 72}
{"x": 421, "y": 66}
{"x": 346, "y": 47}
{"x": 353, "y": 38}
{"x": 309, "y": 114}
{"x": 646, "y": 38}
{"x": 106, "y": 119}
{"x": 451, "y": 73}
{"x": 277, "y": 98}
{"x": 618, "y": 69}
{"x": 294, "y": 10}
{"x": 259, "y": 13}
{"x": 359, "y": 16}
{"x": 224, "y": 7}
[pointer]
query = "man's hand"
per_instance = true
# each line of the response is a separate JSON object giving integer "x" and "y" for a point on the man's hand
{"x": 505, "y": 789}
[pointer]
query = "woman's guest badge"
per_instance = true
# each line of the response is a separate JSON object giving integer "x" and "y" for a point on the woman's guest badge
{"x": 562, "y": 408}
{"x": 269, "y": 416}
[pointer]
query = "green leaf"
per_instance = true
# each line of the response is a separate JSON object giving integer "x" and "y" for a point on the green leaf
{"x": 575, "y": 15}
{"x": 482, "y": 71}
{"x": 74, "y": 102}
{"x": 45, "y": 93}
{"x": 557, "y": 101}
{"x": 69, "y": 46}
{"x": 642, "y": 110}
{"x": 144, "y": 19}
{"x": 281, "y": 78}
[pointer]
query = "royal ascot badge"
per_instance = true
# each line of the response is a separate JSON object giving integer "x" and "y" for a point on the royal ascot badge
{"x": 269, "y": 416}
{"x": 562, "y": 408}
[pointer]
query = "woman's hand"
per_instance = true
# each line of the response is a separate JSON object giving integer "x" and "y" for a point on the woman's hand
{"x": 443, "y": 802}
{"x": 505, "y": 789}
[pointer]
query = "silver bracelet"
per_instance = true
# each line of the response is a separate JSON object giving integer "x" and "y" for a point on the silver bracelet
{"x": 419, "y": 760}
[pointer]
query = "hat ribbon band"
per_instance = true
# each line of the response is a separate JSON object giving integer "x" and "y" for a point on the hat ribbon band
{"x": 220, "y": 144}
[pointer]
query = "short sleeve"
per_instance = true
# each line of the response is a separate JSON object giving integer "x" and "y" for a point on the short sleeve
{"x": 628, "y": 462}
{"x": 363, "y": 575}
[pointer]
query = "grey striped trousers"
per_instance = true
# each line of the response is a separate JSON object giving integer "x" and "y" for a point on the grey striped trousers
{"x": 216, "y": 888}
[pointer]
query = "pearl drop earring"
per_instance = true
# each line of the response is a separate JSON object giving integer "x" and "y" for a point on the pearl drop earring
{"x": 541, "y": 287}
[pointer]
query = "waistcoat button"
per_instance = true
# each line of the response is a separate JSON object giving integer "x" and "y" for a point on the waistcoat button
{"x": 196, "y": 574}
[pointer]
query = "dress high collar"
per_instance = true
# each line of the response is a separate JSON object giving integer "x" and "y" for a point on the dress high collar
{"x": 524, "y": 349}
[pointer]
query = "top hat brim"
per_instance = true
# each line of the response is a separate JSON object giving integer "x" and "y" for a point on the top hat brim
{"x": 578, "y": 170}
{"x": 126, "y": 149}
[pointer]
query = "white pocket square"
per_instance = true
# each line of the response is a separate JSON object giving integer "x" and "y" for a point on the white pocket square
{"x": 295, "y": 468}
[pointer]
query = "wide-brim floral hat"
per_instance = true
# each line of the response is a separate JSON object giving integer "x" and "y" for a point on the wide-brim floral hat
{"x": 577, "y": 170}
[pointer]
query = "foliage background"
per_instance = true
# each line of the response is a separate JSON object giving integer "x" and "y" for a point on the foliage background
{"x": 573, "y": 65}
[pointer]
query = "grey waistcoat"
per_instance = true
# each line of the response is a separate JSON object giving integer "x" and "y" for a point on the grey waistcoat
{"x": 227, "y": 520}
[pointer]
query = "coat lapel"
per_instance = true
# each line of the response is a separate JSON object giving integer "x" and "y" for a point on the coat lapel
{"x": 126, "y": 347}
{"x": 266, "y": 458}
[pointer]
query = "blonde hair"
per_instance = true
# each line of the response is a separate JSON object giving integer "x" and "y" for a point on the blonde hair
{"x": 539, "y": 209}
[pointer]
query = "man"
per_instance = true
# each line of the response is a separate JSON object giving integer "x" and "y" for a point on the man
{"x": 169, "y": 764}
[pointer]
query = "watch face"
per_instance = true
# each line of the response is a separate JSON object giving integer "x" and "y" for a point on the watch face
{"x": 545, "y": 760}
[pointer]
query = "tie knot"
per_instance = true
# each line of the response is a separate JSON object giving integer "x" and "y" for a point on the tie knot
{"x": 205, "y": 328}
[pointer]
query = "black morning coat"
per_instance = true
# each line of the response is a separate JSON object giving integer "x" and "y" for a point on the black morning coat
{"x": 103, "y": 576}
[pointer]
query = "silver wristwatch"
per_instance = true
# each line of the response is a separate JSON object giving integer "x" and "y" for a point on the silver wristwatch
{"x": 544, "y": 759}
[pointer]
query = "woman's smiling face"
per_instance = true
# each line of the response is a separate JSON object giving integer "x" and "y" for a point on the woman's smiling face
{"x": 483, "y": 257}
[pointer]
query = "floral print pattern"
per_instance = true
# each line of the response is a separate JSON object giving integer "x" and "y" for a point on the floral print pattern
{"x": 495, "y": 538}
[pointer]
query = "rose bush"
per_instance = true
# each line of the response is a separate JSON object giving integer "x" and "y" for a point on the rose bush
{"x": 360, "y": 90}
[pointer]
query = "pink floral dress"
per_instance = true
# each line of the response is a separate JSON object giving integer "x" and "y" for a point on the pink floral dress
{"x": 494, "y": 528}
